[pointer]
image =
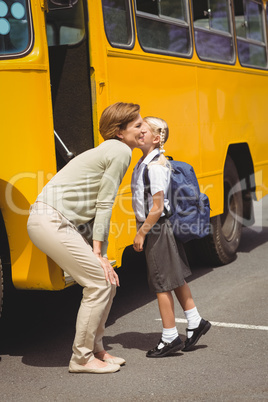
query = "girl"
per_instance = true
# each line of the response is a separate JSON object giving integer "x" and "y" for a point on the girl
{"x": 167, "y": 264}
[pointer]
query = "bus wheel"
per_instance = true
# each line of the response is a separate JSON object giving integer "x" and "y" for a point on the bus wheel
{"x": 220, "y": 246}
{"x": 1, "y": 287}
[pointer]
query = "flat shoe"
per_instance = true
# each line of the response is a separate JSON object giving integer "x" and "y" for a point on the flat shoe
{"x": 78, "y": 368}
{"x": 169, "y": 348}
{"x": 202, "y": 329}
{"x": 115, "y": 360}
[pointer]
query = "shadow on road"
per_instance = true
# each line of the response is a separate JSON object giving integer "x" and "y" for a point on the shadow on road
{"x": 40, "y": 325}
{"x": 252, "y": 238}
{"x": 138, "y": 340}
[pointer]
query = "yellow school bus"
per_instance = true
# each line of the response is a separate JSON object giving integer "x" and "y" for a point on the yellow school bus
{"x": 199, "y": 64}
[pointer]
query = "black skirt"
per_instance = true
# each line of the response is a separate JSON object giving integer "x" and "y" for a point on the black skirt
{"x": 167, "y": 264}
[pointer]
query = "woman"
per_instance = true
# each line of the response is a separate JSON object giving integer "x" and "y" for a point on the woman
{"x": 84, "y": 190}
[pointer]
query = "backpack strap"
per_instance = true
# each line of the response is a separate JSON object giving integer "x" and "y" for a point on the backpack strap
{"x": 147, "y": 187}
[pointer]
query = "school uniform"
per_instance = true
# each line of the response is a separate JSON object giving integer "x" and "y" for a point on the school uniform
{"x": 167, "y": 264}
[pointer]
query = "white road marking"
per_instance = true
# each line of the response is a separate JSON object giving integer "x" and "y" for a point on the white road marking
{"x": 226, "y": 324}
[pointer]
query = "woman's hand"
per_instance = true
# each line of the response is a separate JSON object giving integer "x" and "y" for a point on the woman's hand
{"x": 109, "y": 272}
{"x": 138, "y": 242}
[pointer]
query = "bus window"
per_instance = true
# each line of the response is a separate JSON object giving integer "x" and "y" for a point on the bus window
{"x": 65, "y": 26}
{"x": 163, "y": 27}
{"x": 118, "y": 23}
{"x": 249, "y": 23}
{"x": 177, "y": 10}
{"x": 213, "y": 30}
{"x": 15, "y": 28}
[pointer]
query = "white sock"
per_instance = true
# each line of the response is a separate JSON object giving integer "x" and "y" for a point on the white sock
{"x": 169, "y": 334}
{"x": 193, "y": 319}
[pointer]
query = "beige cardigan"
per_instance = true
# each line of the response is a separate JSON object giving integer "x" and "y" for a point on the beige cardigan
{"x": 86, "y": 187}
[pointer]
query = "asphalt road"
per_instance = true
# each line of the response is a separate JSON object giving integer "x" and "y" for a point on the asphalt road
{"x": 228, "y": 364}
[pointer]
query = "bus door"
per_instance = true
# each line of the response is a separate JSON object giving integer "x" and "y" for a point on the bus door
{"x": 70, "y": 79}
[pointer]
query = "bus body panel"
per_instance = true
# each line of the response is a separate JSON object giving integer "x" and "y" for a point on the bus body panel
{"x": 206, "y": 105}
{"x": 27, "y": 156}
{"x": 209, "y": 107}
{"x": 230, "y": 113}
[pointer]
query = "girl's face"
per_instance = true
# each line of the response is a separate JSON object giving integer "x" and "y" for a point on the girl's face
{"x": 133, "y": 135}
{"x": 150, "y": 140}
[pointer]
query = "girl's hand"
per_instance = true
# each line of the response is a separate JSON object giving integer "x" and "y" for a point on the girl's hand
{"x": 150, "y": 221}
{"x": 138, "y": 242}
{"x": 109, "y": 272}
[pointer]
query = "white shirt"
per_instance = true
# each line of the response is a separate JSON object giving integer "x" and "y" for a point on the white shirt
{"x": 159, "y": 181}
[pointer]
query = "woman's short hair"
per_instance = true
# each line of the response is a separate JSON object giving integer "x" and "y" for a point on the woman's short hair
{"x": 116, "y": 117}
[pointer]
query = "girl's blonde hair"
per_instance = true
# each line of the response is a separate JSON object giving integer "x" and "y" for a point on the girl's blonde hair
{"x": 116, "y": 117}
{"x": 159, "y": 127}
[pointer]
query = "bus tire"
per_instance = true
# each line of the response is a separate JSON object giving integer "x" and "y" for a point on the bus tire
{"x": 220, "y": 246}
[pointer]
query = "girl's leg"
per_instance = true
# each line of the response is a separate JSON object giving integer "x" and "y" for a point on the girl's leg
{"x": 166, "y": 308}
{"x": 196, "y": 325}
{"x": 170, "y": 341}
{"x": 184, "y": 296}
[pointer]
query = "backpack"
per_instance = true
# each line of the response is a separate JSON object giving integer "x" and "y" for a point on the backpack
{"x": 189, "y": 209}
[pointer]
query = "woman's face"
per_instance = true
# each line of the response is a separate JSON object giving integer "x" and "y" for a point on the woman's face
{"x": 133, "y": 135}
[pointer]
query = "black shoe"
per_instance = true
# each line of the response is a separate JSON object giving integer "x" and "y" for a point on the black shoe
{"x": 169, "y": 348}
{"x": 202, "y": 329}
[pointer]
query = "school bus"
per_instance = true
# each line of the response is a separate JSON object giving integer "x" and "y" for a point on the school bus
{"x": 201, "y": 65}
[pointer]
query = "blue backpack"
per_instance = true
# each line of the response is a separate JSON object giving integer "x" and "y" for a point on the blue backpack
{"x": 189, "y": 209}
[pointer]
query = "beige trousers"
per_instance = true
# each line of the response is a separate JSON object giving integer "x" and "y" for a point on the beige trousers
{"x": 57, "y": 237}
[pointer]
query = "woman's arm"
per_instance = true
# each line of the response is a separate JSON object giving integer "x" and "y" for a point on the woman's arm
{"x": 115, "y": 164}
{"x": 152, "y": 218}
